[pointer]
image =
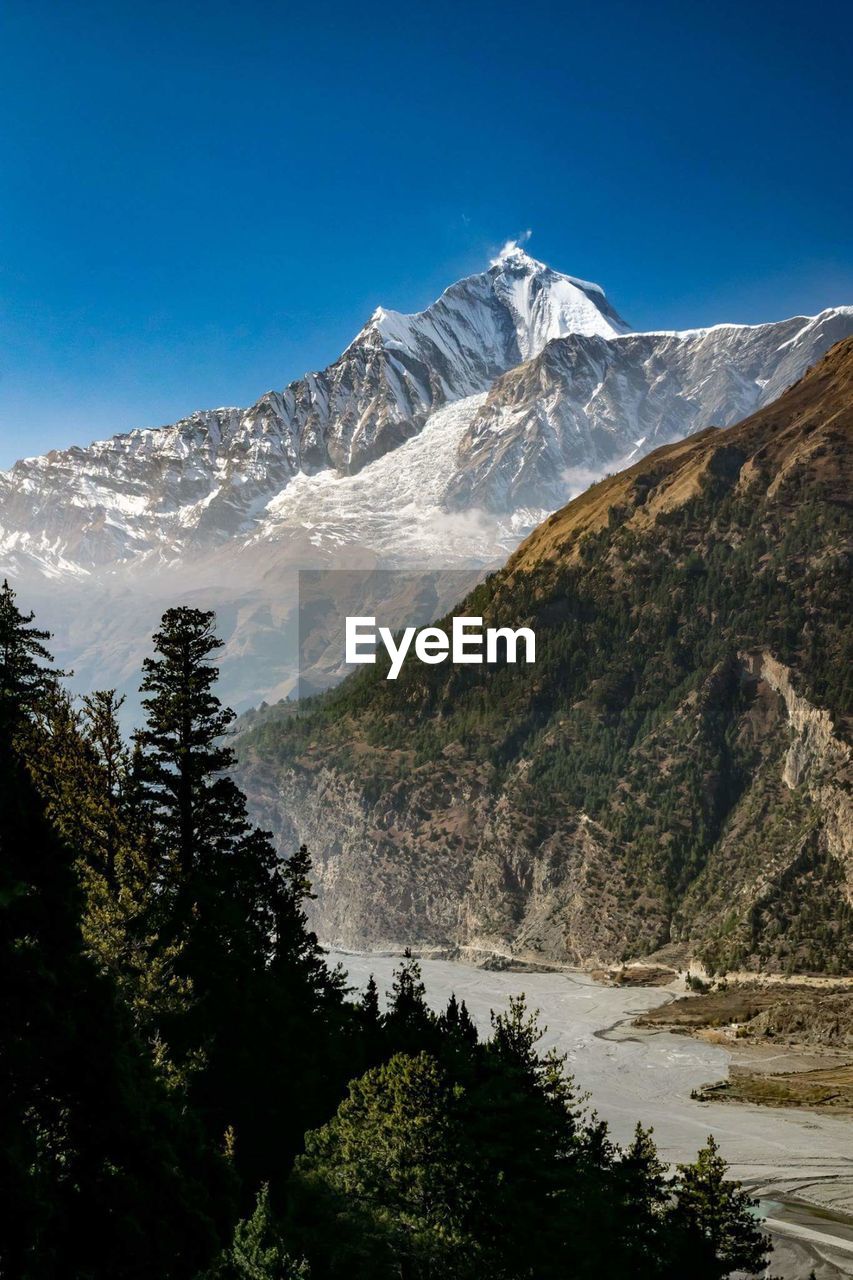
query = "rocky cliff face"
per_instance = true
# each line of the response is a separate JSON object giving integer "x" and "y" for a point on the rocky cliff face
{"x": 675, "y": 768}
{"x": 443, "y": 863}
{"x": 786, "y": 858}
{"x": 815, "y": 753}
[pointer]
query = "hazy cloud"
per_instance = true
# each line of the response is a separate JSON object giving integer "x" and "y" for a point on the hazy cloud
{"x": 511, "y": 247}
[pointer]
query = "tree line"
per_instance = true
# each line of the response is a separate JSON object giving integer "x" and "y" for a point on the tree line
{"x": 188, "y": 1091}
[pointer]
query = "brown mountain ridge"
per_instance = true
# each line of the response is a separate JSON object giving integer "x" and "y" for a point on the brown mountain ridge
{"x": 809, "y": 428}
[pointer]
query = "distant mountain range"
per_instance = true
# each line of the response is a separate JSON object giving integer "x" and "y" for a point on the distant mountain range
{"x": 672, "y": 777}
{"x": 439, "y": 438}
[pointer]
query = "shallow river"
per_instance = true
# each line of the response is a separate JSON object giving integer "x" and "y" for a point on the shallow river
{"x": 799, "y": 1163}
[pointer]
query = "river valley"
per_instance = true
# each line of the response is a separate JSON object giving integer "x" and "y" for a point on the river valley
{"x": 798, "y": 1163}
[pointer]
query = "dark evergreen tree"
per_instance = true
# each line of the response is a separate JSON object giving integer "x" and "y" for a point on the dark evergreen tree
{"x": 100, "y": 1174}
{"x": 257, "y": 1041}
{"x": 198, "y": 811}
{"x": 456, "y": 1023}
{"x": 450, "y": 1018}
{"x": 369, "y": 1003}
{"x": 642, "y": 1202}
{"x": 84, "y": 775}
{"x": 407, "y": 1007}
{"x": 409, "y": 1025}
{"x": 257, "y": 1251}
{"x": 24, "y": 678}
{"x": 713, "y": 1217}
{"x": 467, "y": 1026}
{"x": 102, "y": 732}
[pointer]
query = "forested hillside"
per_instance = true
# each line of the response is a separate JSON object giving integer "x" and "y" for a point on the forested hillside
{"x": 185, "y": 1091}
{"x": 675, "y": 768}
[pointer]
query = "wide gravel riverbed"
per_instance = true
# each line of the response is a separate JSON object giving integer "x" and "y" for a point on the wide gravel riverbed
{"x": 800, "y": 1163}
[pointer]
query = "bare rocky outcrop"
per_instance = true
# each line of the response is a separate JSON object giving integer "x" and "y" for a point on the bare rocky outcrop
{"x": 815, "y": 752}
{"x": 823, "y": 1019}
{"x": 817, "y": 761}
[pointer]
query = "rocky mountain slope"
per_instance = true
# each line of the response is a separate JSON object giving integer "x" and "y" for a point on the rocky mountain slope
{"x": 584, "y": 402}
{"x": 210, "y": 476}
{"x": 675, "y": 767}
{"x": 438, "y": 438}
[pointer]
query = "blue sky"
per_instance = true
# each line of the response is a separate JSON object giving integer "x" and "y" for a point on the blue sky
{"x": 200, "y": 201}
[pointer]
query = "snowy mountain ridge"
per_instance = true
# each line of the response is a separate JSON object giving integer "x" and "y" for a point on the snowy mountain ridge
{"x": 438, "y": 438}
{"x": 179, "y": 487}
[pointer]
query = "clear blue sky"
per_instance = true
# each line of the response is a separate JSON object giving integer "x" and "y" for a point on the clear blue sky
{"x": 200, "y": 201}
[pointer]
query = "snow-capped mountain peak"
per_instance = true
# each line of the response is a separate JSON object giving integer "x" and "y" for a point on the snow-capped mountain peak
{"x": 500, "y": 316}
{"x": 546, "y": 304}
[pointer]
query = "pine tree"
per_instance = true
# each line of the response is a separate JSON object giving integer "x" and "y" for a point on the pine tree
{"x": 457, "y": 1024}
{"x": 253, "y": 1042}
{"x": 221, "y": 892}
{"x": 715, "y": 1217}
{"x": 102, "y": 732}
{"x": 467, "y": 1027}
{"x": 196, "y": 807}
{"x": 294, "y": 946}
{"x": 515, "y": 1035}
{"x": 450, "y": 1017}
{"x": 257, "y": 1251}
{"x": 67, "y": 775}
{"x": 100, "y": 1175}
{"x": 396, "y": 1151}
{"x": 369, "y": 1003}
{"x": 407, "y": 997}
{"x": 24, "y": 680}
{"x": 82, "y": 771}
{"x": 642, "y": 1200}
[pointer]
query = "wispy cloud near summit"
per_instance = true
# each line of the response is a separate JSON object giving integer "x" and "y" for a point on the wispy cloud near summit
{"x": 511, "y": 247}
